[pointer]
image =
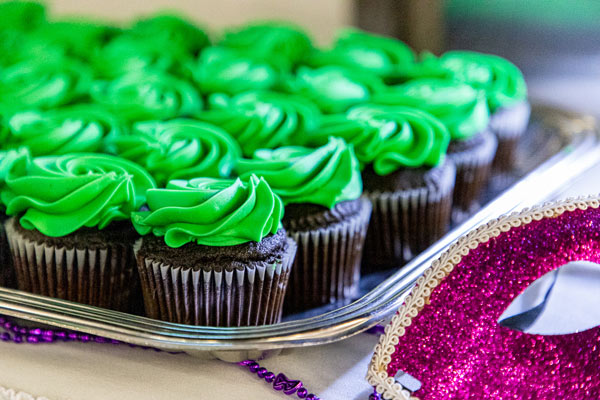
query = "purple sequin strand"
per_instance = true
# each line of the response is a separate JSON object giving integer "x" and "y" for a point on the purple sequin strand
{"x": 280, "y": 382}
{"x": 455, "y": 346}
{"x": 15, "y": 333}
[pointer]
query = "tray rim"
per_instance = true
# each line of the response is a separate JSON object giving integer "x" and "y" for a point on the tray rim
{"x": 580, "y": 153}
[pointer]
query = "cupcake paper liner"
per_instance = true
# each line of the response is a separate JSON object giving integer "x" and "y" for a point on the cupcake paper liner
{"x": 327, "y": 266}
{"x": 406, "y": 222}
{"x": 473, "y": 167}
{"x": 104, "y": 277}
{"x": 509, "y": 124}
{"x": 245, "y": 295}
{"x": 6, "y": 267}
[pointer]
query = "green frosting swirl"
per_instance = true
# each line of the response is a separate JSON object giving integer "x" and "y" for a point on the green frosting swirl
{"x": 380, "y": 55}
{"x": 172, "y": 30}
{"x": 78, "y": 38}
{"x": 280, "y": 44}
{"x": 403, "y": 137}
{"x": 7, "y": 158}
{"x": 427, "y": 65}
{"x": 502, "y": 81}
{"x": 15, "y": 47}
{"x": 142, "y": 96}
{"x": 43, "y": 83}
{"x": 326, "y": 176}
{"x": 72, "y": 129}
{"x": 262, "y": 119}
{"x": 334, "y": 89}
{"x": 4, "y": 131}
{"x": 223, "y": 70}
{"x": 338, "y": 125}
{"x": 178, "y": 149}
{"x": 130, "y": 54}
{"x": 59, "y": 194}
{"x": 459, "y": 106}
{"x": 21, "y": 15}
{"x": 211, "y": 212}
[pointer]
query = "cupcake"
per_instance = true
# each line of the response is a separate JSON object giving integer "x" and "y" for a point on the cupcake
{"x": 506, "y": 95}
{"x": 70, "y": 129}
{"x": 464, "y": 111}
{"x": 43, "y": 83}
{"x": 262, "y": 119}
{"x": 15, "y": 47}
{"x": 71, "y": 235}
{"x": 139, "y": 96}
{"x": 167, "y": 30}
{"x": 324, "y": 213}
{"x": 332, "y": 88}
{"x": 405, "y": 175}
{"x": 131, "y": 54}
{"x": 280, "y": 44}
{"x": 78, "y": 38}
{"x": 21, "y": 15}
{"x": 213, "y": 252}
{"x": 224, "y": 70}
{"x": 383, "y": 56}
{"x": 6, "y": 264}
{"x": 177, "y": 149}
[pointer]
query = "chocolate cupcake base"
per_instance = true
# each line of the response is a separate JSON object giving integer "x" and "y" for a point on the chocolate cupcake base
{"x": 411, "y": 210}
{"x": 330, "y": 245}
{"x": 508, "y": 124}
{"x": 203, "y": 285}
{"x": 473, "y": 160}
{"x": 90, "y": 266}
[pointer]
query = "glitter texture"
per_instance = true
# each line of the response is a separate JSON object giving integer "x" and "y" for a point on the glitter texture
{"x": 455, "y": 346}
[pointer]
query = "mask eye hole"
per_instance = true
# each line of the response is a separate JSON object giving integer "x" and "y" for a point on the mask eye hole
{"x": 407, "y": 381}
{"x": 563, "y": 301}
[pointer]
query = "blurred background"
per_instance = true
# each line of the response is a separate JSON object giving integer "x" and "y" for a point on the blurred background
{"x": 555, "y": 42}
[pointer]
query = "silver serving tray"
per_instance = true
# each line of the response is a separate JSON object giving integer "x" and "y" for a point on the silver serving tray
{"x": 559, "y": 146}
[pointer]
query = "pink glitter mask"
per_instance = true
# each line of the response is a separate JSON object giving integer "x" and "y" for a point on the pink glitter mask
{"x": 447, "y": 336}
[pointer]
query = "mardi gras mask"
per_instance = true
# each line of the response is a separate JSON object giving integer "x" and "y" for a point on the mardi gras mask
{"x": 447, "y": 337}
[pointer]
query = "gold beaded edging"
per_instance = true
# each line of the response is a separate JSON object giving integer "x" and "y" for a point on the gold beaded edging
{"x": 415, "y": 301}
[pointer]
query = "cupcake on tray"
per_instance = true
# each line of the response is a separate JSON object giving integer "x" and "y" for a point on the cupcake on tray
{"x": 62, "y": 130}
{"x": 177, "y": 149}
{"x": 22, "y": 15}
{"x": 405, "y": 175}
{"x": 71, "y": 236}
{"x": 44, "y": 83}
{"x": 171, "y": 30}
{"x": 127, "y": 53}
{"x": 262, "y": 119}
{"x": 214, "y": 253}
{"x": 280, "y": 44}
{"x": 385, "y": 57}
{"x": 78, "y": 38}
{"x": 506, "y": 94}
{"x": 464, "y": 111}
{"x": 333, "y": 88}
{"x": 146, "y": 95}
{"x": 324, "y": 213}
{"x": 225, "y": 70}
{"x": 16, "y": 47}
